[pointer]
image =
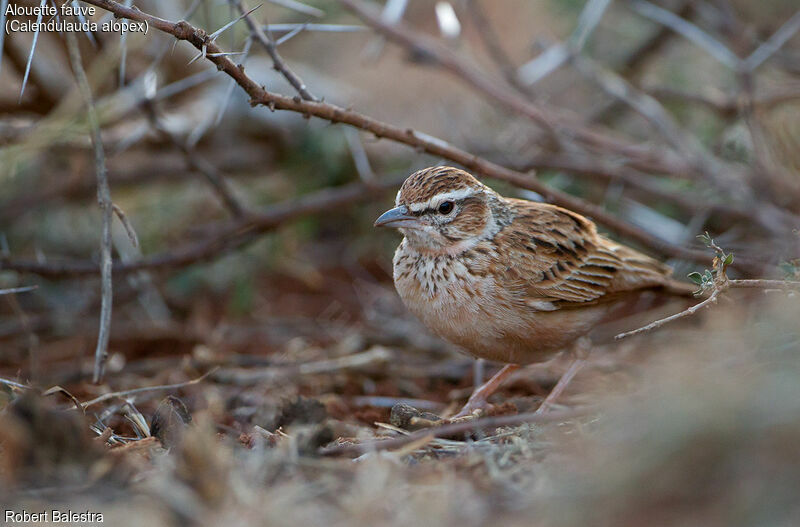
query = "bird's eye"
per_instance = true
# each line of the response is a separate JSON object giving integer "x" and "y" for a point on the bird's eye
{"x": 446, "y": 207}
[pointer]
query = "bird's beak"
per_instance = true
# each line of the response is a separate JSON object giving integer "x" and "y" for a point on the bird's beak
{"x": 397, "y": 217}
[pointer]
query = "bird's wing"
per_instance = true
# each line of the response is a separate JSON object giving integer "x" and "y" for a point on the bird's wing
{"x": 556, "y": 257}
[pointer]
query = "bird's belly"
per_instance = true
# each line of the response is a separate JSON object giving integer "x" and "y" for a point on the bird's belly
{"x": 476, "y": 315}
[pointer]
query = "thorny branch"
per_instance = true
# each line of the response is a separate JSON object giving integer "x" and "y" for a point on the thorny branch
{"x": 280, "y": 66}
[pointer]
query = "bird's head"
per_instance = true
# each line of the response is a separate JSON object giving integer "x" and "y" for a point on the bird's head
{"x": 444, "y": 210}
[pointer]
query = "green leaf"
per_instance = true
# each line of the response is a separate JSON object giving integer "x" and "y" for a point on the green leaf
{"x": 728, "y": 259}
{"x": 705, "y": 238}
{"x": 790, "y": 270}
{"x": 696, "y": 277}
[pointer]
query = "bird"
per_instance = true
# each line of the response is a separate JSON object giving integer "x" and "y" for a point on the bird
{"x": 508, "y": 280}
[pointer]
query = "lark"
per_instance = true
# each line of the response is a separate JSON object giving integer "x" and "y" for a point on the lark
{"x": 505, "y": 279}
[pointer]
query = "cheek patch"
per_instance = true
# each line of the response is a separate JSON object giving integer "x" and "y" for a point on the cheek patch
{"x": 471, "y": 219}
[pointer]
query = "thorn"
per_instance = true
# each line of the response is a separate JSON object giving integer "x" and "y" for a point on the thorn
{"x": 218, "y": 32}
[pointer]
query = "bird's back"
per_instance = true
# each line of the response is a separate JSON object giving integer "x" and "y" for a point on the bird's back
{"x": 559, "y": 257}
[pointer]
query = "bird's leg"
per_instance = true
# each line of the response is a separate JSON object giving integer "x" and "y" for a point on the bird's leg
{"x": 478, "y": 398}
{"x": 581, "y": 353}
{"x": 478, "y": 371}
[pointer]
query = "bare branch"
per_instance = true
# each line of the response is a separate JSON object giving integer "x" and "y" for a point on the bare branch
{"x": 294, "y": 5}
{"x": 129, "y": 230}
{"x": 360, "y": 159}
{"x": 33, "y": 50}
{"x": 712, "y": 299}
{"x": 559, "y": 54}
{"x": 106, "y": 208}
{"x": 730, "y": 104}
{"x": 8, "y": 382}
{"x": 493, "y": 46}
{"x": 126, "y": 393}
{"x": 3, "y": 4}
{"x": 326, "y": 28}
{"x": 218, "y": 183}
{"x": 15, "y": 290}
{"x": 774, "y": 43}
{"x": 646, "y": 106}
{"x": 544, "y": 64}
{"x": 689, "y": 31}
{"x": 588, "y": 20}
{"x": 764, "y": 284}
{"x": 721, "y": 283}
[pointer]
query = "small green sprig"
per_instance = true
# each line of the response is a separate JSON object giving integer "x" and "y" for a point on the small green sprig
{"x": 791, "y": 269}
{"x": 709, "y": 277}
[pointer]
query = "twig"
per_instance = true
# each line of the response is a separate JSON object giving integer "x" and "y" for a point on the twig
{"x": 764, "y": 284}
{"x": 721, "y": 283}
{"x": 15, "y": 384}
{"x": 129, "y": 230}
{"x": 360, "y": 159}
{"x": 325, "y": 28}
{"x": 249, "y": 376}
{"x": 730, "y": 104}
{"x": 388, "y": 402}
{"x": 631, "y": 66}
{"x": 559, "y": 54}
{"x": 134, "y": 391}
{"x": 446, "y": 430}
{"x": 14, "y": 290}
{"x": 277, "y": 61}
{"x": 588, "y": 20}
{"x": 218, "y": 183}
{"x": 299, "y": 7}
{"x": 714, "y": 47}
{"x": 689, "y": 31}
{"x": 646, "y": 106}
{"x": 355, "y": 360}
{"x": 232, "y": 84}
{"x": 493, "y": 46}
{"x": 33, "y": 50}
{"x": 712, "y": 299}
{"x": 106, "y": 208}
{"x": 3, "y": 4}
{"x": 774, "y": 43}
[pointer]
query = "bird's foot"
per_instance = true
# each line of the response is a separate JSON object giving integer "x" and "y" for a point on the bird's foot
{"x": 478, "y": 404}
